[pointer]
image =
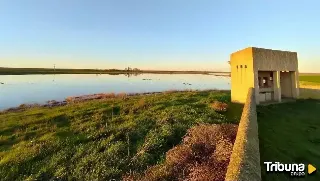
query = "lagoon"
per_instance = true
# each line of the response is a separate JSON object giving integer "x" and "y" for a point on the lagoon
{"x": 28, "y": 89}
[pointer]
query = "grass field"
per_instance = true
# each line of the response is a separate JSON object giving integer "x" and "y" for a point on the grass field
{"x": 310, "y": 78}
{"x": 290, "y": 133}
{"x": 309, "y": 91}
{"x": 102, "y": 139}
{"x": 310, "y": 86}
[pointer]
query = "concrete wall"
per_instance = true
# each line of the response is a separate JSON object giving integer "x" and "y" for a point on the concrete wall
{"x": 245, "y": 158}
{"x": 256, "y": 83}
{"x": 241, "y": 78}
{"x": 286, "y": 84}
{"x": 274, "y": 60}
{"x": 295, "y": 84}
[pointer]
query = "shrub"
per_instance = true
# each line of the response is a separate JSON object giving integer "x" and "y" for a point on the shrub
{"x": 140, "y": 105}
{"x": 153, "y": 173}
{"x": 108, "y": 95}
{"x": 158, "y": 172}
{"x": 219, "y": 106}
{"x": 229, "y": 131}
{"x": 98, "y": 96}
{"x": 69, "y": 99}
{"x": 202, "y": 172}
{"x": 170, "y": 91}
{"x": 223, "y": 151}
{"x": 208, "y": 134}
{"x": 178, "y": 156}
{"x": 122, "y": 95}
{"x": 203, "y": 155}
{"x": 22, "y": 106}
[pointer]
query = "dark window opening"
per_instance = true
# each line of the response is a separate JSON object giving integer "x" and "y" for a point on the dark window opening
{"x": 260, "y": 82}
{"x": 265, "y": 82}
{"x": 271, "y": 76}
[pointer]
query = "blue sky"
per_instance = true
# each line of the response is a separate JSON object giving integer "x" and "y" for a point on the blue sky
{"x": 154, "y": 34}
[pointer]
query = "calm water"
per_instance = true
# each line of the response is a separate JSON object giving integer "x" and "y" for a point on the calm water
{"x": 19, "y": 89}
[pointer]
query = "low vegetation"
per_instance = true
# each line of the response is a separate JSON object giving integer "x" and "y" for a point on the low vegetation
{"x": 290, "y": 133}
{"x": 313, "y": 78}
{"x": 219, "y": 106}
{"x": 203, "y": 155}
{"x": 310, "y": 86}
{"x": 310, "y": 91}
{"x": 108, "y": 138}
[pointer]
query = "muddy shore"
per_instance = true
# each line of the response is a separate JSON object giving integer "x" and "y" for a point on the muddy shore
{"x": 83, "y": 98}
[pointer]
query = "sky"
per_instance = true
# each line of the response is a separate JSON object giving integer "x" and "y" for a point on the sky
{"x": 154, "y": 34}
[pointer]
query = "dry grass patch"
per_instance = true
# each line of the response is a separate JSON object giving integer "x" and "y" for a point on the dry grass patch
{"x": 122, "y": 95}
{"x": 203, "y": 155}
{"x": 219, "y": 106}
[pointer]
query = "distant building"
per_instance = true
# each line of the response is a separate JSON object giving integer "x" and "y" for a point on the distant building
{"x": 273, "y": 73}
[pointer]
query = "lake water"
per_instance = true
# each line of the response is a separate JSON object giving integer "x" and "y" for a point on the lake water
{"x": 27, "y": 89}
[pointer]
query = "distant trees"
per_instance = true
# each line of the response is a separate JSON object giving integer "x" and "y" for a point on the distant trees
{"x": 113, "y": 70}
{"x": 127, "y": 69}
{"x": 132, "y": 69}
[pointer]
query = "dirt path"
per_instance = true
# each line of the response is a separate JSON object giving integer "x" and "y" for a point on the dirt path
{"x": 309, "y": 85}
{"x": 309, "y": 90}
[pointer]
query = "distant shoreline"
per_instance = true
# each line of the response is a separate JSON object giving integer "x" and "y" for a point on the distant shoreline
{"x": 26, "y": 71}
{"x": 30, "y": 71}
{"x": 98, "y": 96}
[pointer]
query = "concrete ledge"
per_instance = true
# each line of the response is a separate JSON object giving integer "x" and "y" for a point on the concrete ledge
{"x": 245, "y": 158}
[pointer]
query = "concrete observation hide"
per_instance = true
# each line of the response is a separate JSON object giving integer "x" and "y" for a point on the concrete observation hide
{"x": 273, "y": 73}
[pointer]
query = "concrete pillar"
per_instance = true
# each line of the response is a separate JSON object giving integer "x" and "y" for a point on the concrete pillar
{"x": 256, "y": 86}
{"x": 298, "y": 84}
{"x": 276, "y": 86}
{"x": 294, "y": 84}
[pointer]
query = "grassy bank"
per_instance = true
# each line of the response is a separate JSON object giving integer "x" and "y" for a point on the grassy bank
{"x": 102, "y": 139}
{"x": 24, "y": 71}
{"x": 290, "y": 133}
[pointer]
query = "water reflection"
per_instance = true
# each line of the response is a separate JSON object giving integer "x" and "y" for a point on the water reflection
{"x": 19, "y": 89}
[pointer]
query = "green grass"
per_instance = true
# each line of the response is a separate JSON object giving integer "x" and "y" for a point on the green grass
{"x": 310, "y": 78}
{"x": 310, "y": 86}
{"x": 102, "y": 139}
{"x": 306, "y": 93}
{"x": 290, "y": 133}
